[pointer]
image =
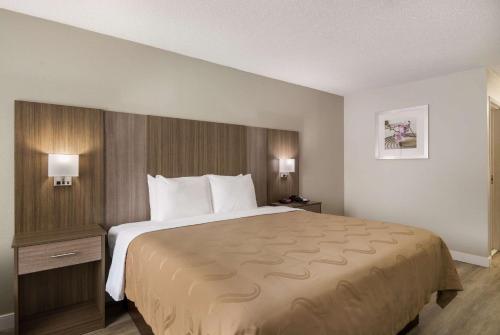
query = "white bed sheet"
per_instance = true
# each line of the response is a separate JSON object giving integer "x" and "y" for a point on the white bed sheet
{"x": 119, "y": 238}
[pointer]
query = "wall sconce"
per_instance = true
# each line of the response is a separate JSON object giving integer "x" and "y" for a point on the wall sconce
{"x": 286, "y": 166}
{"x": 62, "y": 168}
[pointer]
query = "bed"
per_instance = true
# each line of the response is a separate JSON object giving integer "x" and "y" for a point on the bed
{"x": 275, "y": 270}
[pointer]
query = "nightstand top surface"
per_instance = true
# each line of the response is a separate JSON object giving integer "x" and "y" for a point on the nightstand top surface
{"x": 70, "y": 233}
{"x": 297, "y": 204}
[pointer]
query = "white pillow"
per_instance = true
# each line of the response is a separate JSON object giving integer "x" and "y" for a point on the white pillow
{"x": 231, "y": 194}
{"x": 153, "y": 198}
{"x": 183, "y": 197}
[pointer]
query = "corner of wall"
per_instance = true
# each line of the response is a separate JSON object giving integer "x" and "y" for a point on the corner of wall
{"x": 493, "y": 85}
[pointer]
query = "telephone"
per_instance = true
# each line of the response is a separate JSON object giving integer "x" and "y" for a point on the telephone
{"x": 294, "y": 198}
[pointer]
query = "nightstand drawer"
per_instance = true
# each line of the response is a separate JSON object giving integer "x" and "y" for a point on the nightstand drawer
{"x": 313, "y": 208}
{"x": 58, "y": 254}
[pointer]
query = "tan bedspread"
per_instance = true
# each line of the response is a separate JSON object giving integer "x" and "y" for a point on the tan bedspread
{"x": 287, "y": 273}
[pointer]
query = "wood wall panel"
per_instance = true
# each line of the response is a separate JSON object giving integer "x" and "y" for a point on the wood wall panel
{"x": 172, "y": 146}
{"x": 282, "y": 144}
{"x": 41, "y": 129}
{"x": 257, "y": 161}
{"x": 231, "y": 149}
{"x": 126, "y": 168}
{"x": 178, "y": 147}
{"x": 118, "y": 150}
{"x": 206, "y": 152}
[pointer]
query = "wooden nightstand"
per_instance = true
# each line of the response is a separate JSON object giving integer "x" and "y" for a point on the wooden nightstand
{"x": 59, "y": 281}
{"x": 311, "y": 206}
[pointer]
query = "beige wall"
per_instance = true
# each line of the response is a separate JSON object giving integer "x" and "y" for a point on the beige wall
{"x": 447, "y": 193}
{"x": 49, "y": 62}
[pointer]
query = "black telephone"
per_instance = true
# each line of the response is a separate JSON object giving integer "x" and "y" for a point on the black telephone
{"x": 295, "y": 198}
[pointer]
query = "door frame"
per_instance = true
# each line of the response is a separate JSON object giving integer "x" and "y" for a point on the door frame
{"x": 491, "y": 104}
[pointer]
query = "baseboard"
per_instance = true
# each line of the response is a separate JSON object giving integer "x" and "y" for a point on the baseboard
{"x": 7, "y": 321}
{"x": 483, "y": 261}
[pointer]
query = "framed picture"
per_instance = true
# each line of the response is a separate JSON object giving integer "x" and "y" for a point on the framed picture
{"x": 402, "y": 133}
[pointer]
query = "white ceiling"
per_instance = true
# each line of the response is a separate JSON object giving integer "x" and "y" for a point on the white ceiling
{"x": 339, "y": 46}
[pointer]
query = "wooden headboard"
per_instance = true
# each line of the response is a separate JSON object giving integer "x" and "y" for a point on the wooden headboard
{"x": 118, "y": 150}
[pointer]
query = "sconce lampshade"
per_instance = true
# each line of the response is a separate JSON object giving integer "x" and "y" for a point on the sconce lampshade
{"x": 63, "y": 165}
{"x": 287, "y": 165}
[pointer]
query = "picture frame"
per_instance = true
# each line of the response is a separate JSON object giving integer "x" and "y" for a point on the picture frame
{"x": 402, "y": 133}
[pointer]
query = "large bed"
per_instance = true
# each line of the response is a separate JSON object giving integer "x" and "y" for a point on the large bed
{"x": 274, "y": 270}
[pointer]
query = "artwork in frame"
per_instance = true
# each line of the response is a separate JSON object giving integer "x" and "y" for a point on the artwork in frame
{"x": 402, "y": 133}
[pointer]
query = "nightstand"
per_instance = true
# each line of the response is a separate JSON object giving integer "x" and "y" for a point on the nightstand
{"x": 311, "y": 206}
{"x": 59, "y": 281}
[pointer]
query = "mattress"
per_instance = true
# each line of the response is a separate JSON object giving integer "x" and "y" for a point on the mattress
{"x": 286, "y": 272}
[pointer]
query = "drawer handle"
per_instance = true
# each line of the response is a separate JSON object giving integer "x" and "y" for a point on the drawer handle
{"x": 65, "y": 254}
